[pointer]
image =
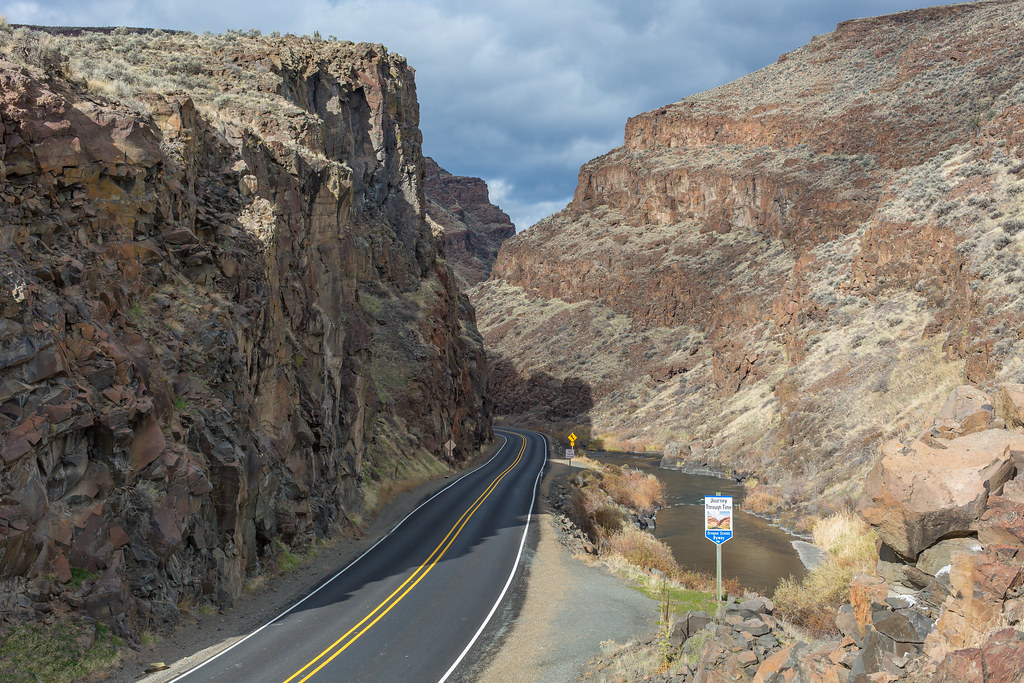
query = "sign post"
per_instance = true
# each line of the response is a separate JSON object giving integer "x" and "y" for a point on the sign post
{"x": 570, "y": 452}
{"x": 718, "y": 528}
{"x": 449, "y": 448}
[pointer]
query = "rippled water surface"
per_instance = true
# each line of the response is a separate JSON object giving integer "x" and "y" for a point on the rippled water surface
{"x": 758, "y": 554}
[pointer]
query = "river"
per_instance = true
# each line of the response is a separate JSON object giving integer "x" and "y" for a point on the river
{"x": 758, "y": 554}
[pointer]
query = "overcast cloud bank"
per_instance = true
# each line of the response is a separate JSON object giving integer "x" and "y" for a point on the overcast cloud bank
{"x": 518, "y": 92}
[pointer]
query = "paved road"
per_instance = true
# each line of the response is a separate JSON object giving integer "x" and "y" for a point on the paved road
{"x": 412, "y": 606}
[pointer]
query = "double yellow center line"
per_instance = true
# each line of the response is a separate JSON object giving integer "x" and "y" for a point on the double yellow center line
{"x": 353, "y": 634}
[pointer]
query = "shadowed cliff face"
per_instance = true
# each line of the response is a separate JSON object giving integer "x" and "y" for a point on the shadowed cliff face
{"x": 788, "y": 268}
{"x": 473, "y": 228}
{"x": 223, "y": 318}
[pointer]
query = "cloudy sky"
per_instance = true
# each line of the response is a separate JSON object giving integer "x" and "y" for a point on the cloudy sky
{"x": 518, "y": 92}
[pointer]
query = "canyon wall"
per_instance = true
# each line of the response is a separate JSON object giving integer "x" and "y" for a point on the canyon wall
{"x": 792, "y": 267}
{"x": 460, "y": 208}
{"x": 225, "y": 327}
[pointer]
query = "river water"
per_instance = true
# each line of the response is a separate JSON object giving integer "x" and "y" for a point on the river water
{"x": 758, "y": 554}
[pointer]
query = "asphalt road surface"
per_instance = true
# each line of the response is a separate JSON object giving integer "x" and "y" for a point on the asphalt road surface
{"x": 412, "y": 607}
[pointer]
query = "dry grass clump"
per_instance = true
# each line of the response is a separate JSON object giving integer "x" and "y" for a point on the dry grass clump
{"x": 848, "y": 539}
{"x": 643, "y": 550}
{"x": 811, "y": 604}
{"x": 763, "y": 500}
{"x": 634, "y": 489}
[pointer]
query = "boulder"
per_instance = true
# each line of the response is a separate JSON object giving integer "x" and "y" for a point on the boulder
{"x": 939, "y": 556}
{"x": 966, "y": 411}
{"x": 918, "y": 494}
{"x": 1003, "y": 521}
{"x": 1010, "y": 404}
{"x": 961, "y": 666}
{"x": 1003, "y": 654}
{"x": 865, "y": 593}
{"x": 981, "y": 583}
{"x": 906, "y": 628}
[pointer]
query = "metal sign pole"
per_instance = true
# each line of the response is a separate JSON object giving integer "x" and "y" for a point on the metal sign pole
{"x": 718, "y": 528}
{"x": 718, "y": 568}
{"x": 718, "y": 562}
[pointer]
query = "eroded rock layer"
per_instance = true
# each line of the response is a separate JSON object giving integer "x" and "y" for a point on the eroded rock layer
{"x": 473, "y": 227}
{"x": 224, "y": 324}
{"x": 794, "y": 266}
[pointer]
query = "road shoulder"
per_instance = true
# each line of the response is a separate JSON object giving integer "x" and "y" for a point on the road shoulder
{"x": 570, "y": 607}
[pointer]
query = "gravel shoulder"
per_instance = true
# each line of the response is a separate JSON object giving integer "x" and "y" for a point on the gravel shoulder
{"x": 571, "y": 606}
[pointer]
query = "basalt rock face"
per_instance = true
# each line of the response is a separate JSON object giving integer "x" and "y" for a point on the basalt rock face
{"x": 776, "y": 269}
{"x": 224, "y": 323}
{"x": 473, "y": 228}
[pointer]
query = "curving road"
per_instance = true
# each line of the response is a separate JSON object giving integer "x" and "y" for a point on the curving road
{"x": 412, "y": 606}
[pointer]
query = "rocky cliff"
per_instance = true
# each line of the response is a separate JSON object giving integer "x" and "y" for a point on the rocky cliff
{"x": 788, "y": 269}
{"x": 224, "y": 325}
{"x": 473, "y": 228}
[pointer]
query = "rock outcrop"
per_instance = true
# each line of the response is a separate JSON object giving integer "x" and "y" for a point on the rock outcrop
{"x": 790, "y": 268}
{"x": 224, "y": 323}
{"x": 473, "y": 227}
{"x": 920, "y": 493}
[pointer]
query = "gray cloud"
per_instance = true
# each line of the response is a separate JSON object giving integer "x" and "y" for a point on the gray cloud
{"x": 519, "y": 92}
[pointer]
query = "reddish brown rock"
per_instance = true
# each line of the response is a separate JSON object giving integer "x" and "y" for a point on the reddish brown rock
{"x": 917, "y": 494}
{"x": 473, "y": 227}
{"x": 866, "y": 592}
{"x": 1003, "y": 521}
{"x": 981, "y": 584}
{"x": 147, "y": 444}
{"x": 1003, "y": 655}
{"x": 772, "y": 665}
{"x": 1011, "y": 404}
{"x": 961, "y": 666}
{"x": 967, "y": 410}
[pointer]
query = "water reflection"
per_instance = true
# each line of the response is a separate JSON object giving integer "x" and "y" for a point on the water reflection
{"x": 758, "y": 555}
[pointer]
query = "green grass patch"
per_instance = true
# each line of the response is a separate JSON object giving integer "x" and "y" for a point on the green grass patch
{"x": 80, "y": 576}
{"x": 56, "y": 653}
{"x": 286, "y": 561}
{"x": 683, "y": 600}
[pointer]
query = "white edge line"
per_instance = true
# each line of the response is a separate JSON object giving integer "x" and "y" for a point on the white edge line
{"x": 345, "y": 569}
{"x": 515, "y": 566}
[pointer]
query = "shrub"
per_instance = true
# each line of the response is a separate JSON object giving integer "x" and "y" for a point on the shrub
{"x": 634, "y": 489}
{"x": 1013, "y": 225}
{"x": 811, "y": 604}
{"x": 761, "y": 500}
{"x": 609, "y": 518}
{"x": 848, "y": 539}
{"x": 643, "y": 550}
